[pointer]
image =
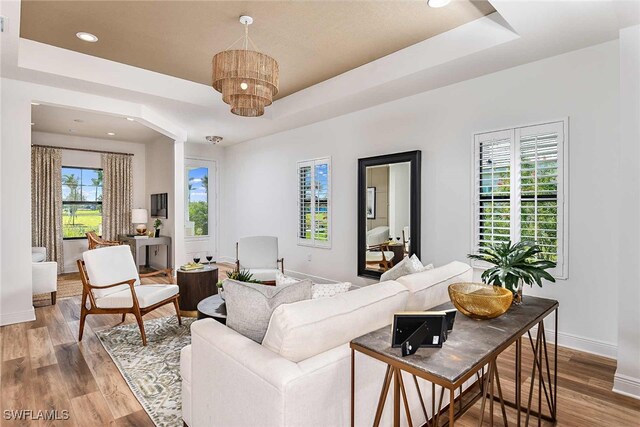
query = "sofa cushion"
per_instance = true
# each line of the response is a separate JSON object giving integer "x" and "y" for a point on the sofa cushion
{"x": 324, "y": 290}
{"x": 408, "y": 265}
{"x": 429, "y": 287}
{"x": 307, "y": 328}
{"x": 147, "y": 296}
{"x": 249, "y": 305}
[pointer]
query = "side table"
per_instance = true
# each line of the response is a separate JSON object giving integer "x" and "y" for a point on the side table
{"x": 213, "y": 307}
{"x": 196, "y": 285}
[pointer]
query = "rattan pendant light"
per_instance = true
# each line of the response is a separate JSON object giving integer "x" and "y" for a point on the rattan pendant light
{"x": 247, "y": 79}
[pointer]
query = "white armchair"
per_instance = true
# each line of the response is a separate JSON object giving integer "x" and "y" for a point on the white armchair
{"x": 378, "y": 252}
{"x": 259, "y": 255}
{"x": 44, "y": 275}
{"x": 111, "y": 285}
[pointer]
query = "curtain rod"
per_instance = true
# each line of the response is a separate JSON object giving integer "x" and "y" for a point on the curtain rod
{"x": 81, "y": 149}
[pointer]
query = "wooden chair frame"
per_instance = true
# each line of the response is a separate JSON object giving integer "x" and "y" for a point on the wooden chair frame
{"x": 386, "y": 264}
{"x": 96, "y": 242}
{"x": 136, "y": 310}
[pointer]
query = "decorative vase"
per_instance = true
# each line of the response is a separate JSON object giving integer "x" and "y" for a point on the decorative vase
{"x": 517, "y": 294}
{"x": 157, "y": 234}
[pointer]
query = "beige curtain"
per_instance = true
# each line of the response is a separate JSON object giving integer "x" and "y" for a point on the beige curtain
{"x": 116, "y": 195}
{"x": 46, "y": 202}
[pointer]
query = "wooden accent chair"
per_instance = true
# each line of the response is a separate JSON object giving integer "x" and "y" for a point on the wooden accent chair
{"x": 259, "y": 255}
{"x": 111, "y": 285}
{"x": 378, "y": 255}
{"x": 96, "y": 242}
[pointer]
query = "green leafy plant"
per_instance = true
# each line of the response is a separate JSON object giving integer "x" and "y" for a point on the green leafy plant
{"x": 157, "y": 223}
{"x": 513, "y": 263}
{"x": 242, "y": 276}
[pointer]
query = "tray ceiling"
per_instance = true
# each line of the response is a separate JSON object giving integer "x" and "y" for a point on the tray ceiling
{"x": 312, "y": 40}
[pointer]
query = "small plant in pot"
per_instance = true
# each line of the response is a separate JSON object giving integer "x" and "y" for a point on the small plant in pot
{"x": 240, "y": 276}
{"x": 514, "y": 265}
{"x": 156, "y": 226}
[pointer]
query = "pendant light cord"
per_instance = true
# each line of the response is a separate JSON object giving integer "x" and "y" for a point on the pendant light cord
{"x": 246, "y": 42}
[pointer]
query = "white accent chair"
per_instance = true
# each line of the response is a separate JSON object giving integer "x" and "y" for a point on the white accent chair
{"x": 378, "y": 252}
{"x": 44, "y": 274}
{"x": 111, "y": 285}
{"x": 259, "y": 255}
{"x": 300, "y": 374}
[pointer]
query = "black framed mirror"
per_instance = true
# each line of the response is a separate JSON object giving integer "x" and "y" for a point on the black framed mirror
{"x": 388, "y": 211}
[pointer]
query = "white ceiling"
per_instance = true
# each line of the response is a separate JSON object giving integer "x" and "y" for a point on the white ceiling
{"x": 520, "y": 32}
{"x": 68, "y": 121}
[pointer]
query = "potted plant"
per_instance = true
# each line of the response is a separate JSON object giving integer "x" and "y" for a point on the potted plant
{"x": 156, "y": 226}
{"x": 514, "y": 265}
{"x": 240, "y": 276}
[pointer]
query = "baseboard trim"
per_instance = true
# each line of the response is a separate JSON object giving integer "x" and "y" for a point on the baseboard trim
{"x": 315, "y": 279}
{"x": 626, "y": 385}
{"x": 227, "y": 259}
{"x": 577, "y": 342}
{"x": 17, "y": 317}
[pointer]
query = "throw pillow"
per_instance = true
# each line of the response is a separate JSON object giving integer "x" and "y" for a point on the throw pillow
{"x": 407, "y": 266}
{"x": 281, "y": 279}
{"x": 250, "y": 305}
{"x": 323, "y": 290}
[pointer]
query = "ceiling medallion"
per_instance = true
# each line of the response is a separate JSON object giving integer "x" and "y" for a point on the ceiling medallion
{"x": 247, "y": 79}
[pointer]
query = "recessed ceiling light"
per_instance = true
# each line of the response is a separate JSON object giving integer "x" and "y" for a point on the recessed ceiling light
{"x": 87, "y": 37}
{"x": 438, "y": 3}
{"x": 35, "y": 103}
{"x": 244, "y": 86}
{"x": 131, "y": 119}
{"x": 111, "y": 133}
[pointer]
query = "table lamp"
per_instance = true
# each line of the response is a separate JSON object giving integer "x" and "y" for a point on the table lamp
{"x": 139, "y": 217}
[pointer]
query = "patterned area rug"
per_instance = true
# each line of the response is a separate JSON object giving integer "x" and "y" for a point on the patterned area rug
{"x": 152, "y": 372}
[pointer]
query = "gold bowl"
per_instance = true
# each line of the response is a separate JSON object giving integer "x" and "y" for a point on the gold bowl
{"x": 480, "y": 301}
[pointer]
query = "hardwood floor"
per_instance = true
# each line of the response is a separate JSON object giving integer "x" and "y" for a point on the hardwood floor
{"x": 44, "y": 367}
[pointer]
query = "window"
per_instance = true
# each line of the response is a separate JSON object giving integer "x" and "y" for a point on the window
{"x": 519, "y": 185}
{"x": 81, "y": 202}
{"x": 197, "y": 201}
{"x": 314, "y": 202}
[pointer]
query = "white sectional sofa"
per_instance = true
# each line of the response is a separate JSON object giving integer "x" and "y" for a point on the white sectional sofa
{"x": 300, "y": 375}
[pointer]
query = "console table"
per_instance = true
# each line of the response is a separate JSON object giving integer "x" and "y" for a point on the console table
{"x": 470, "y": 347}
{"x": 144, "y": 242}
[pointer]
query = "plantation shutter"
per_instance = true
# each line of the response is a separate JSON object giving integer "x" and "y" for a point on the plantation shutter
{"x": 519, "y": 184}
{"x": 541, "y": 188}
{"x": 493, "y": 188}
{"x": 305, "y": 200}
{"x": 314, "y": 202}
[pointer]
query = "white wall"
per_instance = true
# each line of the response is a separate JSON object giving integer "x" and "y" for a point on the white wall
{"x": 160, "y": 160}
{"x": 72, "y": 249}
{"x": 583, "y": 85}
{"x": 15, "y": 195}
{"x": 627, "y": 379}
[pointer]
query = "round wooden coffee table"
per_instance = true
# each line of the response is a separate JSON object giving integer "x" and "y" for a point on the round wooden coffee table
{"x": 196, "y": 285}
{"x": 213, "y": 307}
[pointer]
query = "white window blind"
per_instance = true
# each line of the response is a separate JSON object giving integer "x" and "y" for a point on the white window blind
{"x": 519, "y": 180}
{"x": 314, "y": 202}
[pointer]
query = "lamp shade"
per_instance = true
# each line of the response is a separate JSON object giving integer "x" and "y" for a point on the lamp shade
{"x": 138, "y": 216}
